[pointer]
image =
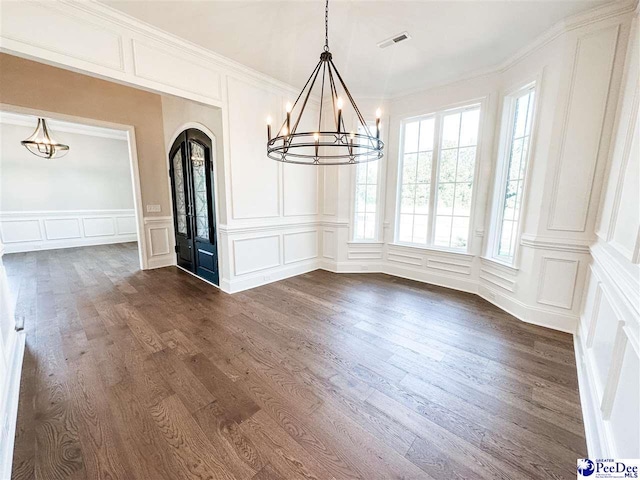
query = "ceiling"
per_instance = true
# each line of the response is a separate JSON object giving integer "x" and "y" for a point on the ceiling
{"x": 284, "y": 39}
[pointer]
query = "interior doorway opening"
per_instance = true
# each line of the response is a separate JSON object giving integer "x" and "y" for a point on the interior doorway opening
{"x": 88, "y": 198}
{"x": 192, "y": 177}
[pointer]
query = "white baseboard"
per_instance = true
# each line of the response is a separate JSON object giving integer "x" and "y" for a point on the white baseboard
{"x": 160, "y": 261}
{"x": 529, "y": 314}
{"x": 10, "y": 404}
{"x": 462, "y": 283}
{"x": 241, "y": 283}
{"x": 70, "y": 243}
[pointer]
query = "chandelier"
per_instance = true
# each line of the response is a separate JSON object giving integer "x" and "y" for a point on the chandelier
{"x": 327, "y": 145}
{"x": 41, "y": 144}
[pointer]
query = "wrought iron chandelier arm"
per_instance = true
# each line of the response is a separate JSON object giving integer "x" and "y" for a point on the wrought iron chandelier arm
{"x": 313, "y": 74}
{"x": 306, "y": 99}
{"x": 334, "y": 95}
{"x": 324, "y": 66}
{"x": 353, "y": 102}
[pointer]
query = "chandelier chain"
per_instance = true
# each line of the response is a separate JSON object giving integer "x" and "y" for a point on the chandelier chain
{"x": 326, "y": 26}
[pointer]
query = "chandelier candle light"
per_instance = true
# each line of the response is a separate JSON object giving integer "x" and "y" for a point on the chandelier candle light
{"x": 328, "y": 146}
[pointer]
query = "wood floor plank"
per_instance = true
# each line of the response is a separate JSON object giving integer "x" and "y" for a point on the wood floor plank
{"x": 156, "y": 375}
{"x": 195, "y": 453}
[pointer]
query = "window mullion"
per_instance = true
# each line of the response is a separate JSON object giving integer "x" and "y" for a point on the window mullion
{"x": 435, "y": 160}
{"x": 415, "y": 186}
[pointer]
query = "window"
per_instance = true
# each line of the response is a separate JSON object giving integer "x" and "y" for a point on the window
{"x": 435, "y": 197}
{"x": 519, "y": 117}
{"x": 366, "y": 197}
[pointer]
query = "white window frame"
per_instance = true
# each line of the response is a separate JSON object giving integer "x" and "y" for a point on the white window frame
{"x": 507, "y": 125}
{"x": 435, "y": 163}
{"x": 379, "y": 192}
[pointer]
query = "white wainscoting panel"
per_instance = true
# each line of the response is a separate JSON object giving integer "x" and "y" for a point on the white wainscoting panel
{"x": 126, "y": 225}
{"x": 30, "y": 20}
{"x": 19, "y": 231}
{"x": 625, "y": 411}
{"x": 12, "y": 343}
{"x": 165, "y": 65}
{"x": 328, "y": 244}
{"x": 405, "y": 258}
{"x": 582, "y": 129}
{"x": 62, "y": 228}
{"x": 300, "y": 246}
{"x": 496, "y": 275}
{"x": 255, "y": 180}
{"x": 300, "y": 193}
{"x": 99, "y": 226}
{"x": 254, "y": 254}
{"x": 45, "y": 230}
{"x": 557, "y": 282}
{"x": 160, "y": 241}
{"x": 605, "y": 330}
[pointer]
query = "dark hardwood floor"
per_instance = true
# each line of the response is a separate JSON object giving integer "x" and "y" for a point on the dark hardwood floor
{"x": 157, "y": 375}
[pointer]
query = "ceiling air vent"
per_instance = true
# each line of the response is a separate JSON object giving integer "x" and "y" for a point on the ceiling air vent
{"x": 401, "y": 37}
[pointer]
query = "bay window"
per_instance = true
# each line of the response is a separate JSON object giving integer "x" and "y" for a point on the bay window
{"x": 434, "y": 206}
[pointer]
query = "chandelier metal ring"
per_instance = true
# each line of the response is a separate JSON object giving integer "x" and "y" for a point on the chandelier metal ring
{"x": 325, "y": 146}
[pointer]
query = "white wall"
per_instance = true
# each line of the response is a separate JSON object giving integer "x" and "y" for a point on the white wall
{"x": 94, "y": 175}
{"x": 83, "y": 198}
{"x": 11, "y": 353}
{"x": 608, "y": 338}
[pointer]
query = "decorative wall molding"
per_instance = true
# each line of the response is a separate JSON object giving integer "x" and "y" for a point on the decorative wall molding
{"x": 46, "y": 230}
{"x": 9, "y": 396}
{"x": 499, "y": 280}
{"x": 440, "y": 263}
{"x": 164, "y": 65}
{"x": 240, "y": 228}
{"x": 328, "y": 244}
{"x": 300, "y": 246}
{"x": 254, "y": 254}
{"x": 405, "y": 258}
{"x": 12, "y": 344}
{"x": 557, "y": 282}
{"x": 581, "y": 136}
{"x": 160, "y": 241}
{"x": 608, "y": 358}
{"x": 554, "y": 243}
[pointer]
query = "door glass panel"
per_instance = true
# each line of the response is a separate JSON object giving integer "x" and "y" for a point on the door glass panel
{"x": 181, "y": 207}
{"x": 200, "y": 189}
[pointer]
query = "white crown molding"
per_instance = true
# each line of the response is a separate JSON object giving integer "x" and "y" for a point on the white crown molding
{"x": 128, "y": 22}
{"x": 603, "y": 12}
{"x": 229, "y": 66}
{"x": 9, "y": 118}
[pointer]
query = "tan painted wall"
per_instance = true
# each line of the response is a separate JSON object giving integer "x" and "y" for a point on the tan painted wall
{"x": 29, "y": 84}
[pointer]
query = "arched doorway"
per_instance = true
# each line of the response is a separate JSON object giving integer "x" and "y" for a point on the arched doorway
{"x": 191, "y": 171}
